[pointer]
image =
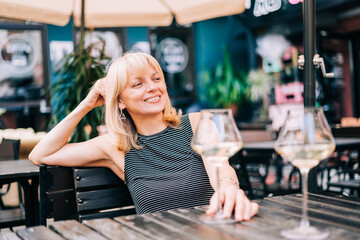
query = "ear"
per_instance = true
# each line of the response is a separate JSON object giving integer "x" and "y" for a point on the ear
{"x": 121, "y": 105}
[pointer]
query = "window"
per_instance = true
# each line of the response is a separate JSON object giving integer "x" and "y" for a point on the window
{"x": 24, "y": 75}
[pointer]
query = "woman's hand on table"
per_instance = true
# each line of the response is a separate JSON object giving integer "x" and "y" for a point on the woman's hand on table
{"x": 233, "y": 200}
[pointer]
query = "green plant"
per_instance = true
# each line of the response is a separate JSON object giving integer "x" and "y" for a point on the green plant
{"x": 223, "y": 86}
{"x": 260, "y": 85}
{"x": 78, "y": 73}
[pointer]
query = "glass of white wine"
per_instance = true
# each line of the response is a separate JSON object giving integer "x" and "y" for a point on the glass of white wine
{"x": 304, "y": 140}
{"x": 216, "y": 139}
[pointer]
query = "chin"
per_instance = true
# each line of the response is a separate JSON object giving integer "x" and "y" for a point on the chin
{"x": 156, "y": 110}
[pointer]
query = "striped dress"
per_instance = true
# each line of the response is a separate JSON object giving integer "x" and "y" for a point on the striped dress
{"x": 166, "y": 173}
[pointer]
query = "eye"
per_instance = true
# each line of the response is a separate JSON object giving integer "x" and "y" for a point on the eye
{"x": 137, "y": 84}
{"x": 156, "y": 79}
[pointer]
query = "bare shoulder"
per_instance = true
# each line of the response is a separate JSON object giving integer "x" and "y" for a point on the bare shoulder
{"x": 111, "y": 150}
{"x": 107, "y": 144}
{"x": 194, "y": 120}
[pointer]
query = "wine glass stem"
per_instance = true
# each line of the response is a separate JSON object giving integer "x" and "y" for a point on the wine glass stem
{"x": 305, "y": 220}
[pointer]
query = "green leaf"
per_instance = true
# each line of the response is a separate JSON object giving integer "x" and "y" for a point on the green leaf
{"x": 224, "y": 85}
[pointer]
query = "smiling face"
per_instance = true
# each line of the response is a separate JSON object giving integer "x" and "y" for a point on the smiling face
{"x": 135, "y": 82}
{"x": 144, "y": 94}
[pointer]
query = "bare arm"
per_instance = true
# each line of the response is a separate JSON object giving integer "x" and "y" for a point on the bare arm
{"x": 54, "y": 149}
{"x": 232, "y": 197}
{"x": 226, "y": 170}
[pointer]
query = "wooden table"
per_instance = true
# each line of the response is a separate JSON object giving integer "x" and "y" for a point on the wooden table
{"x": 338, "y": 214}
{"x": 22, "y": 171}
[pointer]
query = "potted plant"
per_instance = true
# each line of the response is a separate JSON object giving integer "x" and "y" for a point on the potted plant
{"x": 78, "y": 73}
{"x": 223, "y": 87}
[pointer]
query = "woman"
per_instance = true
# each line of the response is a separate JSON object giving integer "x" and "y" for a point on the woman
{"x": 147, "y": 144}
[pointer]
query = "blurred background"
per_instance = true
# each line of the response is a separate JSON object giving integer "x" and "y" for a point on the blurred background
{"x": 246, "y": 61}
{"x": 238, "y": 54}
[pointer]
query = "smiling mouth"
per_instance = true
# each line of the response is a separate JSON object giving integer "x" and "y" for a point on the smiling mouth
{"x": 154, "y": 99}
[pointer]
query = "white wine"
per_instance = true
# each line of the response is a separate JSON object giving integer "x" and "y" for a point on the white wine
{"x": 305, "y": 155}
{"x": 218, "y": 152}
{"x": 305, "y": 163}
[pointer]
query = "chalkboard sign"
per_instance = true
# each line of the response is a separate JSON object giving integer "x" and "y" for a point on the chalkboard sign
{"x": 24, "y": 65}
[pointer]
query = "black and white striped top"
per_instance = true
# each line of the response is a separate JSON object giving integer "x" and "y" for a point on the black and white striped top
{"x": 166, "y": 173}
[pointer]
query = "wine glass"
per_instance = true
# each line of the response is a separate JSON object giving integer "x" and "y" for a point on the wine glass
{"x": 216, "y": 139}
{"x": 304, "y": 140}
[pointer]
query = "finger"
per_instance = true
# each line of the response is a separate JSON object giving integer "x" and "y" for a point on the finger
{"x": 95, "y": 88}
{"x": 213, "y": 205}
{"x": 254, "y": 208}
{"x": 230, "y": 200}
{"x": 239, "y": 208}
{"x": 103, "y": 82}
{"x": 247, "y": 209}
{"x": 101, "y": 87}
{"x": 102, "y": 91}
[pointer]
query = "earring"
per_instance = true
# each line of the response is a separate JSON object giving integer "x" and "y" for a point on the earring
{"x": 108, "y": 66}
{"x": 122, "y": 115}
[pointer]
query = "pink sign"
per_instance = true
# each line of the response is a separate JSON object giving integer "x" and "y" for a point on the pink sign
{"x": 295, "y": 1}
{"x": 289, "y": 93}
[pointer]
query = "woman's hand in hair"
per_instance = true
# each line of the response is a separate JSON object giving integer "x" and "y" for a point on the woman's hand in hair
{"x": 96, "y": 96}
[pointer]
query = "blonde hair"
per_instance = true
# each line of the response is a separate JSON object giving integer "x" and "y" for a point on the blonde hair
{"x": 123, "y": 131}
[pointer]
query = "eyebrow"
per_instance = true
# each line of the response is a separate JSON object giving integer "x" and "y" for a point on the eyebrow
{"x": 155, "y": 73}
{"x": 140, "y": 77}
{"x": 135, "y": 78}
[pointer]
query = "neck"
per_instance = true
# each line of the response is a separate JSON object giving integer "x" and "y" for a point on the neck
{"x": 150, "y": 125}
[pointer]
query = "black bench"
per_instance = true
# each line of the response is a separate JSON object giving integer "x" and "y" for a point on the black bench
{"x": 82, "y": 193}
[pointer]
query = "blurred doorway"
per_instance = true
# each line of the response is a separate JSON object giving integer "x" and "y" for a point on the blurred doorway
{"x": 173, "y": 47}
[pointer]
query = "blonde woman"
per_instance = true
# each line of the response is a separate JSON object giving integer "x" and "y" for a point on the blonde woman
{"x": 147, "y": 144}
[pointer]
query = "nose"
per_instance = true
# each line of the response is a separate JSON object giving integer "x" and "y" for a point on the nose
{"x": 150, "y": 86}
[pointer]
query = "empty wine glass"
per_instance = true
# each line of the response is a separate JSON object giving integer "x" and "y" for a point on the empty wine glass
{"x": 304, "y": 140}
{"x": 216, "y": 139}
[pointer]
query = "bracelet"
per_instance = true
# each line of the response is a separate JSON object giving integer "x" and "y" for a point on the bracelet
{"x": 229, "y": 178}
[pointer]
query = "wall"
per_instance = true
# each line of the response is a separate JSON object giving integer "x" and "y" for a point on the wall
{"x": 56, "y": 33}
{"x": 209, "y": 37}
{"x": 135, "y": 34}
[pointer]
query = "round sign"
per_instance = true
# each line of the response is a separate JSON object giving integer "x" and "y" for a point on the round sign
{"x": 172, "y": 55}
{"x": 19, "y": 53}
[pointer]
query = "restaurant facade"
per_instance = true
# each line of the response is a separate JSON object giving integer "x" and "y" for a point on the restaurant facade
{"x": 186, "y": 52}
{"x": 337, "y": 42}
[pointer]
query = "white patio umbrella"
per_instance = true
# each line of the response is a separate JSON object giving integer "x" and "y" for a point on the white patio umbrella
{"x": 104, "y": 13}
{"x": 119, "y": 13}
{"x": 188, "y": 11}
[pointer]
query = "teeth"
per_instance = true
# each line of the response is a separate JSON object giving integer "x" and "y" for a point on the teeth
{"x": 152, "y": 99}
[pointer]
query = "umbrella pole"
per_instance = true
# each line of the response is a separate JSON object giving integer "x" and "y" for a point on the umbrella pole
{"x": 309, "y": 24}
{"x": 82, "y": 26}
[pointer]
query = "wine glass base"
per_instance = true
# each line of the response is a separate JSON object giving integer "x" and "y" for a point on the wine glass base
{"x": 217, "y": 219}
{"x": 310, "y": 233}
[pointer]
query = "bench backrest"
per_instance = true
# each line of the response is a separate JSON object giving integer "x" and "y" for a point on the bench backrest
{"x": 82, "y": 193}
